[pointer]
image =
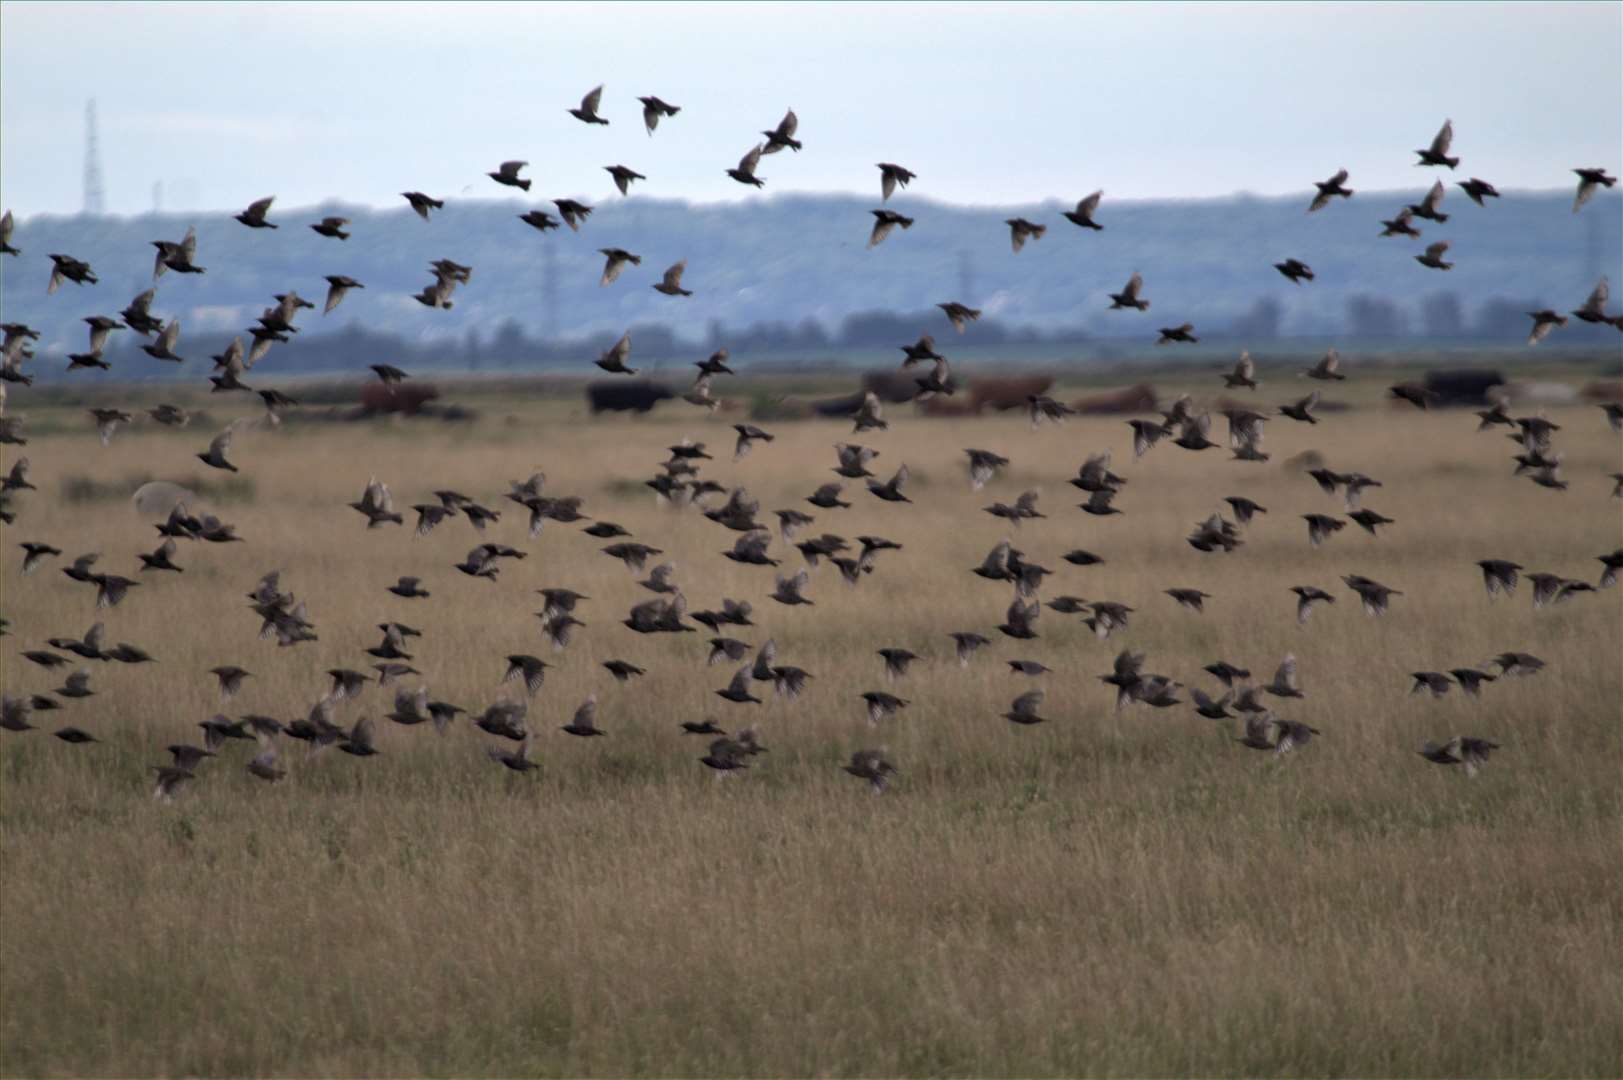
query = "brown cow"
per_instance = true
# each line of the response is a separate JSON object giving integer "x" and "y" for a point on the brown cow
{"x": 892, "y": 387}
{"x": 1006, "y": 391}
{"x": 1123, "y": 402}
{"x": 407, "y": 397}
{"x": 946, "y": 406}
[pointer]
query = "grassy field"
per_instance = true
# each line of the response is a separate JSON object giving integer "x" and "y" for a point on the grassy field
{"x": 1109, "y": 893}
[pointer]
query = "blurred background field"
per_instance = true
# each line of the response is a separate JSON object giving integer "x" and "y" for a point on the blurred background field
{"x": 1126, "y": 893}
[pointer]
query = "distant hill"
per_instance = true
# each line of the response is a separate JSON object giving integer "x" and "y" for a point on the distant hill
{"x": 796, "y": 269}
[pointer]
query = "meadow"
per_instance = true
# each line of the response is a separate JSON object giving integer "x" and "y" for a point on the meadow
{"x": 1109, "y": 893}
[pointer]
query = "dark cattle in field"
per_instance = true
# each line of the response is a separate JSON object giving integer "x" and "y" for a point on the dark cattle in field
{"x": 407, "y": 397}
{"x": 840, "y": 406}
{"x": 946, "y": 406}
{"x": 1464, "y": 387}
{"x": 620, "y": 396}
{"x": 1127, "y": 401}
{"x": 892, "y": 387}
{"x": 1006, "y": 392}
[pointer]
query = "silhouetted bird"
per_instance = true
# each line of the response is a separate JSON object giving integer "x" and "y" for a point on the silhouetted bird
{"x": 1329, "y": 189}
{"x": 959, "y": 315}
{"x": 67, "y": 268}
{"x": 332, "y": 227}
{"x": 1083, "y": 214}
{"x": 1461, "y": 750}
{"x": 1433, "y": 257}
{"x": 1296, "y": 270}
{"x": 616, "y": 261}
{"x": 507, "y": 173}
{"x": 870, "y": 765}
{"x": 653, "y": 108}
{"x": 884, "y": 222}
{"x": 1479, "y": 190}
{"x": 783, "y": 135}
{"x": 422, "y": 203}
{"x": 671, "y": 283}
{"x": 1427, "y": 207}
{"x": 587, "y": 110}
{"x": 1128, "y": 297}
{"x": 1588, "y": 181}
{"x": 745, "y": 172}
{"x": 1437, "y": 153}
{"x": 1021, "y": 230}
{"x": 890, "y": 177}
{"x": 572, "y": 212}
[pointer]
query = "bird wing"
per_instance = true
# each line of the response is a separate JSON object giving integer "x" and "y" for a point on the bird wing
{"x": 256, "y": 209}
{"x": 673, "y": 276}
{"x": 589, "y": 103}
{"x": 1597, "y": 299}
{"x": 1088, "y": 205}
{"x": 1434, "y": 197}
{"x": 1444, "y": 139}
{"x": 1436, "y": 251}
{"x": 748, "y": 163}
{"x": 1286, "y": 675}
{"x": 1586, "y": 189}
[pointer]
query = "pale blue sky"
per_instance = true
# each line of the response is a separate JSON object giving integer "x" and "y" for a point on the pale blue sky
{"x": 989, "y": 104}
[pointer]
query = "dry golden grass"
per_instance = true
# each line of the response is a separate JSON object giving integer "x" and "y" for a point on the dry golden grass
{"x": 1125, "y": 894}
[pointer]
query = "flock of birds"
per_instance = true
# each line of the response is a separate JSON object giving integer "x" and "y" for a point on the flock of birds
{"x": 286, "y": 619}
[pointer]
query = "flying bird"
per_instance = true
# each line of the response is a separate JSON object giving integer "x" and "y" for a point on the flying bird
{"x": 1082, "y": 216}
{"x": 1433, "y": 258}
{"x": 890, "y": 178}
{"x": 1021, "y": 230}
{"x": 1437, "y": 152}
{"x": 507, "y": 173}
{"x": 1128, "y": 297}
{"x": 653, "y": 108}
{"x": 422, "y": 203}
{"x": 332, "y": 227}
{"x": 586, "y": 112}
{"x": 783, "y": 135}
{"x": 254, "y": 216}
{"x": 1329, "y": 189}
{"x": 1296, "y": 270}
{"x": 745, "y": 172}
{"x": 1477, "y": 190}
{"x": 1589, "y": 180}
{"x": 623, "y": 177}
{"x": 671, "y": 283}
{"x": 884, "y": 222}
{"x": 959, "y": 314}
